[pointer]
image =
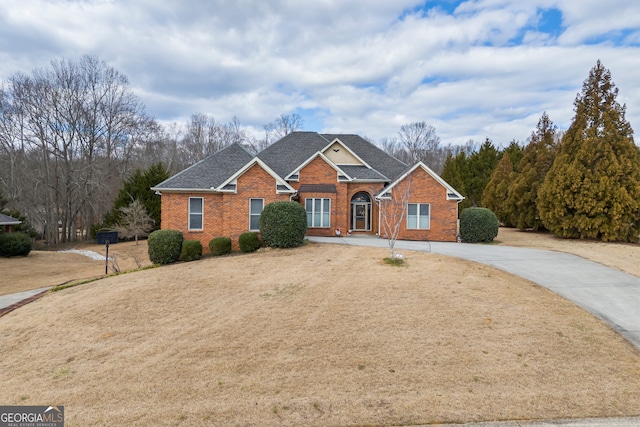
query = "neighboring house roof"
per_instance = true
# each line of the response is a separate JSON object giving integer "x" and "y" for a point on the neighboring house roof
{"x": 452, "y": 194}
{"x": 209, "y": 173}
{"x": 8, "y": 220}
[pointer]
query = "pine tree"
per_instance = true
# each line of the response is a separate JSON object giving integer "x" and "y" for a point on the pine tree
{"x": 593, "y": 188}
{"x": 497, "y": 190}
{"x": 480, "y": 168}
{"x": 137, "y": 186}
{"x": 454, "y": 171}
{"x": 538, "y": 157}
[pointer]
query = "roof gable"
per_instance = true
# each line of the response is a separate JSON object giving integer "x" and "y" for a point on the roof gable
{"x": 287, "y": 154}
{"x": 281, "y": 185}
{"x": 452, "y": 194}
{"x": 318, "y": 155}
{"x": 340, "y": 154}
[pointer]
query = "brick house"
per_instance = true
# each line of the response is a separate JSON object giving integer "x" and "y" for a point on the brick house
{"x": 344, "y": 182}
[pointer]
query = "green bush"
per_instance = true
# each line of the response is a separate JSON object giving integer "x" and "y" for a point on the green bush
{"x": 220, "y": 246}
{"x": 164, "y": 246}
{"x": 283, "y": 224}
{"x": 249, "y": 241}
{"x": 478, "y": 225}
{"x": 14, "y": 244}
{"x": 191, "y": 250}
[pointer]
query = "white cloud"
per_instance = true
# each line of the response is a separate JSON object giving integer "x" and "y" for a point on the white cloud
{"x": 367, "y": 67}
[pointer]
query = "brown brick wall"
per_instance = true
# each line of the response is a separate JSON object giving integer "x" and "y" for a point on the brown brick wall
{"x": 228, "y": 214}
{"x": 443, "y": 212}
{"x": 255, "y": 183}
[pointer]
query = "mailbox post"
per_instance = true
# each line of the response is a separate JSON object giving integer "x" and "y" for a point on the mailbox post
{"x": 106, "y": 258}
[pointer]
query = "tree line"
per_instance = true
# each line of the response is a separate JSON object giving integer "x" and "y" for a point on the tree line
{"x": 582, "y": 183}
{"x": 77, "y": 146}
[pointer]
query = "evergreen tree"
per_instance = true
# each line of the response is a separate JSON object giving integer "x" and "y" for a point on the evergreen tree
{"x": 593, "y": 188}
{"x": 497, "y": 190}
{"x": 515, "y": 153}
{"x": 137, "y": 187}
{"x": 480, "y": 168}
{"x": 538, "y": 157}
{"x": 454, "y": 171}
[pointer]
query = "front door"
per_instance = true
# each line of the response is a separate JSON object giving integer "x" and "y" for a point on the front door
{"x": 361, "y": 212}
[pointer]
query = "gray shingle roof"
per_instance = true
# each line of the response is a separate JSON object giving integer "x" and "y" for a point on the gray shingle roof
{"x": 210, "y": 172}
{"x": 283, "y": 157}
{"x": 374, "y": 156}
{"x": 8, "y": 220}
{"x": 363, "y": 172}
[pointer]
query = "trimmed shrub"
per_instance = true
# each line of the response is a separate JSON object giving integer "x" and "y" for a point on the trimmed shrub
{"x": 14, "y": 244}
{"x": 249, "y": 241}
{"x": 478, "y": 225}
{"x": 165, "y": 246}
{"x": 220, "y": 246}
{"x": 283, "y": 224}
{"x": 191, "y": 250}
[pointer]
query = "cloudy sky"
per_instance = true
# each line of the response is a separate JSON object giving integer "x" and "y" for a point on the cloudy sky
{"x": 473, "y": 69}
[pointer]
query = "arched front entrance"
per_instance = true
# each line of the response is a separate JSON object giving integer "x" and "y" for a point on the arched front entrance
{"x": 361, "y": 212}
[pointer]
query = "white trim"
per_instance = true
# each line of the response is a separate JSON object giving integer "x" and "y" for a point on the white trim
{"x": 349, "y": 150}
{"x": 326, "y": 159}
{"x": 201, "y": 215}
{"x": 313, "y": 199}
{"x": 263, "y": 165}
{"x": 418, "y": 216}
{"x": 184, "y": 190}
{"x": 450, "y": 189}
{"x": 250, "y": 214}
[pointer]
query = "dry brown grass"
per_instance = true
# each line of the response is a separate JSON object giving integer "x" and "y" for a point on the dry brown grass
{"x": 49, "y": 268}
{"x": 320, "y": 335}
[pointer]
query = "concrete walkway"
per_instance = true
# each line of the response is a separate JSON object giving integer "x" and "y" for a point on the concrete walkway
{"x": 7, "y": 301}
{"x": 610, "y": 294}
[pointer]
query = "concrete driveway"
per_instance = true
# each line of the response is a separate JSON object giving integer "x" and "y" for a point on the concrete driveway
{"x": 610, "y": 294}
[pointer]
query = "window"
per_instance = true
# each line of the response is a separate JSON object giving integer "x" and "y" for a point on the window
{"x": 318, "y": 212}
{"x": 418, "y": 216}
{"x": 255, "y": 209}
{"x": 195, "y": 213}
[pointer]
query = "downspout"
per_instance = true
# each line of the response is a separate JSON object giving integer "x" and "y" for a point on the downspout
{"x": 379, "y": 217}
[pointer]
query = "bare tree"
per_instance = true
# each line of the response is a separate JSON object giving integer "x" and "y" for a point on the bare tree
{"x": 136, "y": 221}
{"x": 419, "y": 142}
{"x": 282, "y": 126}
{"x": 74, "y": 125}
{"x": 393, "y": 209}
{"x": 204, "y": 136}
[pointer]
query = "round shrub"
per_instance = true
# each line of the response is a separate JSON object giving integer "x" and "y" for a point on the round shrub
{"x": 220, "y": 246}
{"x": 283, "y": 224}
{"x": 478, "y": 225}
{"x": 14, "y": 244}
{"x": 164, "y": 246}
{"x": 249, "y": 241}
{"x": 191, "y": 250}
